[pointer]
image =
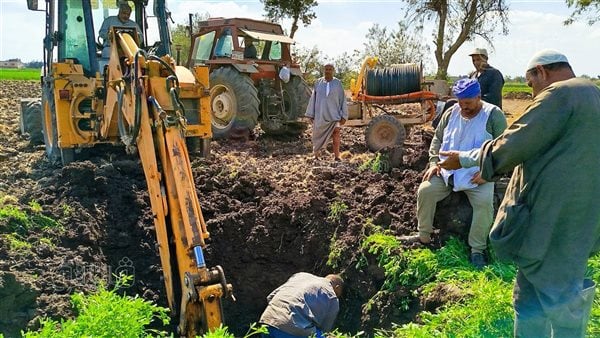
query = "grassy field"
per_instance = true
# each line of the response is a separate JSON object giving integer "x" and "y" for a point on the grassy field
{"x": 515, "y": 87}
{"x": 19, "y": 74}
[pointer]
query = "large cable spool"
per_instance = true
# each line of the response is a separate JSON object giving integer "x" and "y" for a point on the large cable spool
{"x": 395, "y": 80}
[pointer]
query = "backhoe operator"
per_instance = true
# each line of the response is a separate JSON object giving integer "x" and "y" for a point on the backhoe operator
{"x": 121, "y": 19}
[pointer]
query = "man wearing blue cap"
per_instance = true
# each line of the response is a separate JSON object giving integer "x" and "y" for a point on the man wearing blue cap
{"x": 465, "y": 126}
{"x": 549, "y": 222}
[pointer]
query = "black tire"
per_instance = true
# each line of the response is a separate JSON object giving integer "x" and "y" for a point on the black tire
{"x": 31, "y": 120}
{"x": 198, "y": 144}
{"x": 299, "y": 92}
{"x": 384, "y": 131}
{"x": 49, "y": 131}
{"x": 234, "y": 103}
{"x": 67, "y": 155}
{"x": 436, "y": 120}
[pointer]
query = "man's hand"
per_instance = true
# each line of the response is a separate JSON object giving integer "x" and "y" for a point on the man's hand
{"x": 451, "y": 162}
{"x": 430, "y": 172}
{"x": 477, "y": 178}
{"x": 342, "y": 121}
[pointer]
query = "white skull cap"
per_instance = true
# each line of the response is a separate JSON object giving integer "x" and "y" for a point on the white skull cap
{"x": 546, "y": 57}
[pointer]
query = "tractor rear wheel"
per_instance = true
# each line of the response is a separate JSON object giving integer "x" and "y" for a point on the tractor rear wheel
{"x": 31, "y": 120}
{"x": 299, "y": 96}
{"x": 384, "y": 131}
{"x": 234, "y": 102}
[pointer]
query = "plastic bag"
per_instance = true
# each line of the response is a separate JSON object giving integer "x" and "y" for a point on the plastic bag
{"x": 284, "y": 74}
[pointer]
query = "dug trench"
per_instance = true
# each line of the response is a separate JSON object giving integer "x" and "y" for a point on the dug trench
{"x": 270, "y": 209}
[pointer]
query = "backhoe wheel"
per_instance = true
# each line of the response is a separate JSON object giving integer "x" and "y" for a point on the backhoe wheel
{"x": 384, "y": 131}
{"x": 234, "y": 102}
{"x": 31, "y": 120}
{"x": 50, "y": 132}
{"x": 198, "y": 144}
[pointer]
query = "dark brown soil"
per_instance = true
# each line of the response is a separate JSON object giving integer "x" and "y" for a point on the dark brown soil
{"x": 265, "y": 202}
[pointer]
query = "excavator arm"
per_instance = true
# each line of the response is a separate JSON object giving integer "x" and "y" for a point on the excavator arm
{"x": 143, "y": 99}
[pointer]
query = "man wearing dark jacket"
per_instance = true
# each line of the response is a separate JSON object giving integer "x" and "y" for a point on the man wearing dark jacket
{"x": 490, "y": 79}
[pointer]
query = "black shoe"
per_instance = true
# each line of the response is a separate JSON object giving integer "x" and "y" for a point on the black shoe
{"x": 478, "y": 260}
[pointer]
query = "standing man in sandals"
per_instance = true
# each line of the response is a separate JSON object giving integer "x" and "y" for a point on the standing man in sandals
{"x": 328, "y": 111}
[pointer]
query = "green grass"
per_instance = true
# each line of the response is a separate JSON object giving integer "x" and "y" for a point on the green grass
{"x": 515, "y": 87}
{"x": 19, "y": 74}
{"x": 106, "y": 314}
{"x": 336, "y": 210}
{"x": 482, "y": 302}
{"x": 223, "y": 332}
{"x": 16, "y": 242}
{"x": 377, "y": 164}
{"x": 484, "y": 308}
{"x": 15, "y": 220}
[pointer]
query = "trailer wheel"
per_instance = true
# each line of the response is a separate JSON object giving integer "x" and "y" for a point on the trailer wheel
{"x": 384, "y": 131}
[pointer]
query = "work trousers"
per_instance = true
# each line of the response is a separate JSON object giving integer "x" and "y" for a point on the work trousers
{"x": 481, "y": 199}
{"x": 552, "y": 311}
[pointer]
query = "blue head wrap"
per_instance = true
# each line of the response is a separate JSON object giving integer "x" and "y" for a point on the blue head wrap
{"x": 466, "y": 88}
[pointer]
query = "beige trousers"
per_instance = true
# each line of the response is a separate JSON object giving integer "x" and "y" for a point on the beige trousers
{"x": 481, "y": 199}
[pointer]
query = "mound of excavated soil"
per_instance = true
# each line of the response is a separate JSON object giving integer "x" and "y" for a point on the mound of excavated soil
{"x": 265, "y": 202}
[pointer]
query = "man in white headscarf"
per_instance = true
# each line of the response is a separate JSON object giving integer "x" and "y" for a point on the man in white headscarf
{"x": 328, "y": 111}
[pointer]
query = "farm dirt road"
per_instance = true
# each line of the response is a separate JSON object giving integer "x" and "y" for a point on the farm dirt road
{"x": 267, "y": 207}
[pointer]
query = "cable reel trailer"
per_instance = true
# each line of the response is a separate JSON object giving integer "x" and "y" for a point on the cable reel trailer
{"x": 377, "y": 95}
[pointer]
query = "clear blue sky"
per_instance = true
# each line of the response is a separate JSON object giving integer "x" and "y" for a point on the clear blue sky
{"x": 341, "y": 26}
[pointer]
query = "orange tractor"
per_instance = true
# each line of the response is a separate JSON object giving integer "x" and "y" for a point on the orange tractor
{"x": 253, "y": 78}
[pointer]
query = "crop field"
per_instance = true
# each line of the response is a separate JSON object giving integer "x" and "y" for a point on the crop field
{"x": 19, "y": 74}
{"x": 515, "y": 87}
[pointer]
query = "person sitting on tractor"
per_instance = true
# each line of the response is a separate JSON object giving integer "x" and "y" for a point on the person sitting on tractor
{"x": 121, "y": 19}
{"x": 250, "y": 49}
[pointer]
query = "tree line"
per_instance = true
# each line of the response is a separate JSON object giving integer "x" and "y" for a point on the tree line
{"x": 455, "y": 22}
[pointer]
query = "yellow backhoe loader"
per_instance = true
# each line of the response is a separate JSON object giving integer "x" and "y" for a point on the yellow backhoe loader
{"x": 138, "y": 98}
